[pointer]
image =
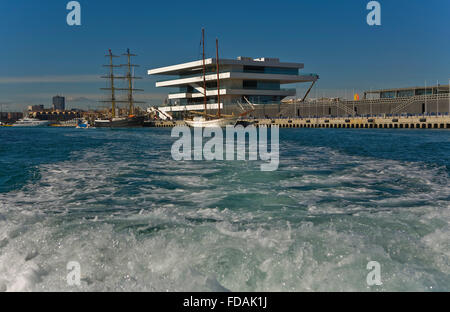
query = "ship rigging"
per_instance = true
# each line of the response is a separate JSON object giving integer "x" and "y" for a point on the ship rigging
{"x": 116, "y": 119}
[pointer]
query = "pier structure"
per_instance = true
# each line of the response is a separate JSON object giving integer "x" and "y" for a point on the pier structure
{"x": 437, "y": 104}
{"x": 403, "y": 122}
{"x": 407, "y": 101}
{"x": 434, "y": 104}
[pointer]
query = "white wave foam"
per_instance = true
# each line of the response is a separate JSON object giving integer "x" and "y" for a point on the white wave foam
{"x": 162, "y": 225}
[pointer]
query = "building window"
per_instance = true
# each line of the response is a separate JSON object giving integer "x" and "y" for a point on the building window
{"x": 387, "y": 95}
{"x": 186, "y": 89}
{"x": 268, "y": 85}
{"x": 281, "y": 71}
{"x": 270, "y": 70}
{"x": 254, "y": 69}
{"x": 423, "y": 91}
{"x": 261, "y": 85}
{"x": 406, "y": 93}
{"x": 250, "y": 84}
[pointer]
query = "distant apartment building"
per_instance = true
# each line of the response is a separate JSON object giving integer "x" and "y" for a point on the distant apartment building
{"x": 59, "y": 103}
{"x": 259, "y": 80}
{"x": 10, "y": 116}
{"x": 36, "y": 108}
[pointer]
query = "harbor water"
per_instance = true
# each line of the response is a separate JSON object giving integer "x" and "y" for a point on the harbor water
{"x": 135, "y": 220}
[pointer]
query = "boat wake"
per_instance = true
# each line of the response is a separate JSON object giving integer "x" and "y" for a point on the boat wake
{"x": 135, "y": 220}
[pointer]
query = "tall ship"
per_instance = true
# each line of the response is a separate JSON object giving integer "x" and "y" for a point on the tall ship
{"x": 117, "y": 120}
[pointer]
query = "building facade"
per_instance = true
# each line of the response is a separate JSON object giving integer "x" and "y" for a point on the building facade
{"x": 406, "y": 92}
{"x": 430, "y": 100}
{"x": 259, "y": 80}
{"x": 10, "y": 117}
{"x": 36, "y": 108}
{"x": 59, "y": 103}
{"x": 57, "y": 115}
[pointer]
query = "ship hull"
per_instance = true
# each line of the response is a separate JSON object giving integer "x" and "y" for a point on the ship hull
{"x": 244, "y": 123}
{"x": 129, "y": 122}
{"x": 213, "y": 123}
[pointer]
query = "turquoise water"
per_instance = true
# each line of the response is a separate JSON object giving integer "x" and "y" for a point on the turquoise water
{"x": 116, "y": 202}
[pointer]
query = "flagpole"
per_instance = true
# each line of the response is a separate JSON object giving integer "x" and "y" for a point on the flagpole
{"x": 426, "y": 108}
{"x": 437, "y": 98}
{"x": 353, "y": 95}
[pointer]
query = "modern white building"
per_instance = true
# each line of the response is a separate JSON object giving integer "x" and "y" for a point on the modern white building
{"x": 259, "y": 80}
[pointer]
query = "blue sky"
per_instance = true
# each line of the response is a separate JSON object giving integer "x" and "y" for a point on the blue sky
{"x": 41, "y": 55}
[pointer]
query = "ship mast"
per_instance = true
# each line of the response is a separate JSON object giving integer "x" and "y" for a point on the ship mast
{"x": 130, "y": 78}
{"x": 218, "y": 76}
{"x": 204, "y": 73}
{"x": 112, "y": 78}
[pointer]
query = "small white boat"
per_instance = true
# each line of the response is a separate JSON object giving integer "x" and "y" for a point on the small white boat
{"x": 31, "y": 122}
{"x": 83, "y": 124}
{"x": 201, "y": 122}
